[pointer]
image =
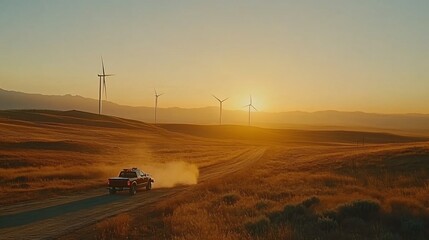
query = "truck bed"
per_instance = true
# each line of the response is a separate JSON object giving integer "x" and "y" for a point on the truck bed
{"x": 118, "y": 182}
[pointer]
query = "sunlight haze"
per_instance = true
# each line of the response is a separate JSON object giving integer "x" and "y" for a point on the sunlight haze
{"x": 370, "y": 56}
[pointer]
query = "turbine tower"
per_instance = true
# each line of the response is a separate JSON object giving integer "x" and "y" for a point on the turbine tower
{"x": 220, "y": 108}
{"x": 102, "y": 79}
{"x": 156, "y": 101}
{"x": 249, "y": 106}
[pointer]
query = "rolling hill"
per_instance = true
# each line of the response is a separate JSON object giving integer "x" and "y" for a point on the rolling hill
{"x": 414, "y": 123}
{"x": 54, "y": 165}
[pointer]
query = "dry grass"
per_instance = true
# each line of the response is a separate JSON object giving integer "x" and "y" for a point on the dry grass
{"x": 240, "y": 206}
{"x": 268, "y": 200}
{"x": 117, "y": 227}
{"x": 53, "y": 154}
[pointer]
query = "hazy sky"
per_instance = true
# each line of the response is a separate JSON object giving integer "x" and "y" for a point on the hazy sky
{"x": 366, "y": 55}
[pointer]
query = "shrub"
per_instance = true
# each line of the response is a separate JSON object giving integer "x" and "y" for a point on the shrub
{"x": 292, "y": 213}
{"x": 407, "y": 219}
{"x": 355, "y": 225}
{"x": 230, "y": 199}
{"x": 276, "y": 217}
{"x": 412, "y": 228}
{"x": 327, "y": 224}
{"x": 258, "y": 227}
{"x": 402, "y": 207}
{"x": 308, "y": 203}
{"x": 261, "y": 205}
{"x": 296, "y": 213}
{"x": 364, "y": 209}
{"x": 330, "y": 214}
{"x": 360, "y": 219}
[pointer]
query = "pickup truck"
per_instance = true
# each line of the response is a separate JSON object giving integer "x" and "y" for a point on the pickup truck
{"x": 130, "y": 179}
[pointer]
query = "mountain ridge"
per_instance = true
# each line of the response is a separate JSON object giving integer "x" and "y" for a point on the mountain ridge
{"x": 209, "y": 114}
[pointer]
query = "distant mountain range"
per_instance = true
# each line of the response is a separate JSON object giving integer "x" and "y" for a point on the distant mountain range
{"x": 416, "y": 123}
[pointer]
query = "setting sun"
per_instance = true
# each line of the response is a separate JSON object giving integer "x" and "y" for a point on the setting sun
{"x": 306, "y": 56}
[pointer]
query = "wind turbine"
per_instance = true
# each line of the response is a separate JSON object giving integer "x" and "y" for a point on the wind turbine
{"x": 102, "y": 77}
{"x": 250, "y": 105}
{"x": 156, "y": 101}
{"x": 220, "y": 108}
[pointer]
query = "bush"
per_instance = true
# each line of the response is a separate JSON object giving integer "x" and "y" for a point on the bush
{"x": 308, "y": 203}
{"x": 261, "y": 205}
{"x": 360, "y": 219}
{"x": 230, "y": 199}
{"x": 355, "y": 226}
{"x": 413, "y": 228}
{"x": 364, "y": 209}
{"x": 327, "y": 224}
{"x": 298, "y": 213}
{"x": 331, "y": 214}
{"x": 407, "y": 219}
{"x": 258, "y": 227}
{"x": 293, "y": 214}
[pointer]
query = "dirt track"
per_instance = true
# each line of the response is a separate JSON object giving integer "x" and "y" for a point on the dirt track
{"x": 54, "y": 217}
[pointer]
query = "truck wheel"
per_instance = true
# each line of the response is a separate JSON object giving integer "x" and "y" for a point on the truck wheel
{"x": 149, "y": 185}
{"x": 112, "y": 191}
{"x": 133, "y": 190}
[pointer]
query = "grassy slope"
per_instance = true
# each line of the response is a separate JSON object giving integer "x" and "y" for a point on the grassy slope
{"x": 48, "y": 152}
{"x": 288, "y": 136}
{"x": 388, "y": 183}
{"x": 392, "y": 177}
{"x": 71, "y": 148}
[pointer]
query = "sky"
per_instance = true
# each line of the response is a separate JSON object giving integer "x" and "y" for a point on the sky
{"x": 301, "y": 55}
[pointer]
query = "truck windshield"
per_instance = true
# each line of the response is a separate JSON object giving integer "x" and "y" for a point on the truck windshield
{"x": 128, "y": 174}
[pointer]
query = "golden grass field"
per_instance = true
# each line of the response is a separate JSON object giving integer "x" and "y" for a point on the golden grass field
{"x": 304, "y": 185}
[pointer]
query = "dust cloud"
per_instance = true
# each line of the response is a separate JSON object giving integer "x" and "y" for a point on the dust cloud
{"x": 172, "y": 174}
{"x": 167, "y": 171}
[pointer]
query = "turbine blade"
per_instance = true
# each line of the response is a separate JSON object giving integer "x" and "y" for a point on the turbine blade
{"x": 108, "y": 75}
{"x": 250, "y": 99}
{"x": 156, "y": 94}
{"x": 102, "y": 65}
{"x": 216, "y": 98}
{"x": 225, "y": 99}
{"x": 254, "y": 107}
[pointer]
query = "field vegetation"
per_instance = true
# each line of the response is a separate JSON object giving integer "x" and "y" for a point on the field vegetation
{"x": 317, "y": 185}
{"x": 374, "y": 192}
{"x": 49, "y": 153}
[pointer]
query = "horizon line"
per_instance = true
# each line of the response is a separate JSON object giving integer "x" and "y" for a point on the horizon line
{"x": 226, "y": 109}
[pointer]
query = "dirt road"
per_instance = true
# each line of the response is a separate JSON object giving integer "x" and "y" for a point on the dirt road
{"x": 51, "y": 218}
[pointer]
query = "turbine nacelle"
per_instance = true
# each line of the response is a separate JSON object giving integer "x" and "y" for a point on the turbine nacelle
{"x": 221, "y": 101}
{"x": 250, "y": 105}
{"x": 157, "y": 95}
{"x": 220, "y": 107}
